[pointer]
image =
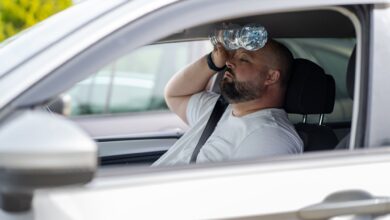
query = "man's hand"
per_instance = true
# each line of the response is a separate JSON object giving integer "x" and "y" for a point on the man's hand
{"x": 219, "y": 55}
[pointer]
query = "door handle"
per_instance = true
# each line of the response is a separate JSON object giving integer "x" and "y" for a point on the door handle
{"x": 353, "y": 202}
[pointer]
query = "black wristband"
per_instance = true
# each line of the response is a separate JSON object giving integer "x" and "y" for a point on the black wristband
{"x": 212, "y": 66}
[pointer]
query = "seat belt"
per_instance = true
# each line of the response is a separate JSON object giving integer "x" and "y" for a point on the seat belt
{"x": 216, "y": 114}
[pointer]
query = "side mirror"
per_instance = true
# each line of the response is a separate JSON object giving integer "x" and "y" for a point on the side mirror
{"x": 39, "y": 150}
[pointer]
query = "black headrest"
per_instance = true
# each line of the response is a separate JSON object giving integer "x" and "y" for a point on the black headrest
{"x": 351, "y": 73}
{"x": 310, "y": 90}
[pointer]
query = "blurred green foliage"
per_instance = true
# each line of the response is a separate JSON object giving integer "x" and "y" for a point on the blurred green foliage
{"x": 16, "y": 15}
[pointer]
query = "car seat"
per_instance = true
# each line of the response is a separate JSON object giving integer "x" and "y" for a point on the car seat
{"x": 311, "y": 91}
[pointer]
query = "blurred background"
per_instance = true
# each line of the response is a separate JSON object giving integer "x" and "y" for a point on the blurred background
{"x": 17, "y": 15}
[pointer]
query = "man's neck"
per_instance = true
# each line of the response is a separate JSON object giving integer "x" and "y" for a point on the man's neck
{"x": 245, "y": 108}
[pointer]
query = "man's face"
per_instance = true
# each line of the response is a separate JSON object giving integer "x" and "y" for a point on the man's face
{"x": 245, "y": 76}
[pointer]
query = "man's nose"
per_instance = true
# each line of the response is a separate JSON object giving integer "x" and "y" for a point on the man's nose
{"x": 230, "y": 63}
{"x": 229, "y": 60}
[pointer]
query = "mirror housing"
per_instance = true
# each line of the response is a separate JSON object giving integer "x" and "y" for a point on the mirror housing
{"x": 40, "y": 150}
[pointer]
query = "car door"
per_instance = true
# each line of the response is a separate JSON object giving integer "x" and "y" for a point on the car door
{"x": 351, "y": 182}
{"x": 318, "y": 186}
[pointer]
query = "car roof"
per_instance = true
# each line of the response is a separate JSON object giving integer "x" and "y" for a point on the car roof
{"x": 282, "y": 25}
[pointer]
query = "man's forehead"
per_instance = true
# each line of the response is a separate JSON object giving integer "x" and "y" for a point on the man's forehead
{"x": 253, "y": 54}
{"x": 247, "y": 52}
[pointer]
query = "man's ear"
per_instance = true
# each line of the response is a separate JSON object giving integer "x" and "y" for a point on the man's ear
{"x": 272, "y": 77}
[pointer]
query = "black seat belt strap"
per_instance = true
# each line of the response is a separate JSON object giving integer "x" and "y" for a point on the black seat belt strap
{"x": 216, "y": 114}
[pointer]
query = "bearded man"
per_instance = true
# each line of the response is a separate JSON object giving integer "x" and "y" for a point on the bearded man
{"x": 254, "y": 124}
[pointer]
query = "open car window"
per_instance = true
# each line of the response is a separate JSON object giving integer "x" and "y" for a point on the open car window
{"x": 135, "y": 82}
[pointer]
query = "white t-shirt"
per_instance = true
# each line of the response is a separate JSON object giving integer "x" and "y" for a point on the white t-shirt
{"x": 264, "y": 133}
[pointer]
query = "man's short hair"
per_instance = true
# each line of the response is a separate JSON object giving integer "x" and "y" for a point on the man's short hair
{"x": 284, "y": 60}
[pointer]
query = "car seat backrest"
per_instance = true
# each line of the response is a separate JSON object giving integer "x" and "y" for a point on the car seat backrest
{"x": 311, "y": 91}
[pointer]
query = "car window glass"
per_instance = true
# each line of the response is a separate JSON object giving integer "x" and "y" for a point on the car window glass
{"x": 136, "y": 81}
{"x": 332, "y": 54}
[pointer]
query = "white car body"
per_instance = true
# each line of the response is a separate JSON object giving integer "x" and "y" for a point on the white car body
{"x": 263, "y": 189}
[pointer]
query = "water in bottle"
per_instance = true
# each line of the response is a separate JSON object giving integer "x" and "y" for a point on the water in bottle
{"x": 250, "y": 37}
{"x": 227, "y": 35}
{"x": 253, "y": 37}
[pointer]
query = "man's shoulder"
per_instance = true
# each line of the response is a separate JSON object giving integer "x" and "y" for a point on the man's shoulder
{"x": 267, "y": 118}
{"x": 199, "y": 105}
{"x": 279, "y": 138}
{"x": 274, "y": 126}
{"x": 204, "y": 101}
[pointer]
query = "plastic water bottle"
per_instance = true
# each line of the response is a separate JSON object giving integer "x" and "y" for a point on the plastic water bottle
{"x": 227, "y": 35}
{"x": 250, "y": 37}
{"x": 253, "y": 37}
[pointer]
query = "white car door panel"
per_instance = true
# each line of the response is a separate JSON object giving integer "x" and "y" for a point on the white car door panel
{"x": 273, "y": 189}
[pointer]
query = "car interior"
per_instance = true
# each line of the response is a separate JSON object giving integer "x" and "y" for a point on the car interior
{"x": 319, "y": 96}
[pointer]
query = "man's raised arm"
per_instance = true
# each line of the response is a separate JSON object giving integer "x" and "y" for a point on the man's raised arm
{"x": 191, "y": 80}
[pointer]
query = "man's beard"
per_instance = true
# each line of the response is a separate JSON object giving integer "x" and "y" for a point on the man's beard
{"x": 235, "y": 91}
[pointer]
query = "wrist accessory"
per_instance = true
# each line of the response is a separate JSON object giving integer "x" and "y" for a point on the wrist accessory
{"x": 211, "y": 64}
